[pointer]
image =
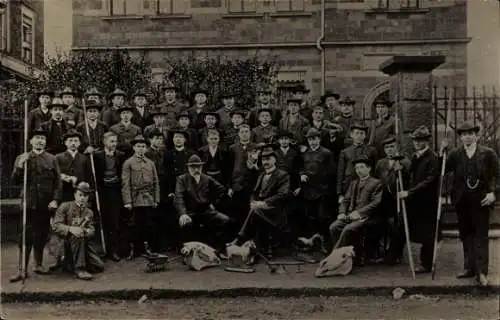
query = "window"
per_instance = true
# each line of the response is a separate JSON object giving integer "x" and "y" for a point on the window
{"x": 27, "y": 35}
{"x": 131, "y": 7}
{"x": 289, "y": 5}
{"x": 236, "y": 6}
{"x": 165, "y": 7}
{"x": 398, "y": 4}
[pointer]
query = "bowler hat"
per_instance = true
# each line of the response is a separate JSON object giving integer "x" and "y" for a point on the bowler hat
{"x": 293, "y": 100}
{"x": 199, "y": 90}
{"x": 72, "y": 134}
{"x": 421, "y": 133}
{"x": 140, "y": 93}
{"x": 468, "y": 127}
{"x": 57, "y": 102}
{"x": 38, "y": 132}
{"x": 389, "y": 140}
{"x": 93, "y": 92}
{"x": 92, "y": 104}
{"x": 268, "y": 110}
{"x": 84, "y": 187}
{"x": 300, "y": 88}
{"x": 117, "y": 92}
{"x": 126, "y": 108}
{"x": 362, "y": 159}
{"x": 347, "y": 101}
{"x": 359, "y": 126}
{"x": 313, "y": 132}
{"x": 267, "y": 150}
{"x": 194, "y": 160}
{"x": 285, "y": 133}
{"x": 46, "y": 92}
{"x": 169, "y": 86}
{"x": 183, "y": 114}
{"x": 155, "y": 133}
{"x": 68, "y": 91}
{"x": 138, "y": 139}
{"x": 157, "y": 112}
{"x": 384, "y": 102}
{"x": 215, "y": 114}
{"x": 228, "y": 94}
{"x": 241, "y": 112}
{"x": 182, "y": 132}
{"x": 328, "y": 94}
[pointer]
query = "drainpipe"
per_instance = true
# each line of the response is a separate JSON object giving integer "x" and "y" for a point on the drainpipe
{"x": 320, "y": 47}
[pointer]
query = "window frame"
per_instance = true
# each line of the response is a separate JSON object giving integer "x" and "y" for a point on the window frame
{"x": 385, "y": 4}
{"x": 25, "y": 45}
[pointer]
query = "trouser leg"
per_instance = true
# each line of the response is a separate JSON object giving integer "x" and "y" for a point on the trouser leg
{"x": 218, "y": 225}
{"x": 29, "y": 244}
{"x": 78, "y": 252}
{"x": 143, "y": 228}
{"x": 94, "y": 262}
{"x": 110, "y": 214}
{"x": 41, "y": 230}
{"x": 481, "y": 240}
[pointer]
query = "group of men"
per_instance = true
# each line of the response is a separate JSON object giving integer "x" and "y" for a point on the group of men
{"x": 168, "y": 174}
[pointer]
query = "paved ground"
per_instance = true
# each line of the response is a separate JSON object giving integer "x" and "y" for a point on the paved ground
{"x": 120, "y": 278}
{"x": 431, "y": 307}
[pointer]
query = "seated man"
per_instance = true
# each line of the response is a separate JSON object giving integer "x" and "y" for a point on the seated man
{"x": 360, "y": 202}
{"x": 266, "y": 203}
{"x": 74, "y": 222}
{"x": 196, "y": 195}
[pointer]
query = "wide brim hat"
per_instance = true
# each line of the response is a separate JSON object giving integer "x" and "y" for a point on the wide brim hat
{"x": 72, "y": 134}
{"x": 241, "y": 112}
{"x": 176, "y": 131}
{"x": 215, "y": 114}
{"x": 328, "y": 94}
{"x": 293, "y": 100}
{"x": 285, "y": 134}
{"x": 384, "y": 102}
{"x": 183, "y": 114}
{"x": 126, "y": 108}
{"x": 313, "y": 132}
{"x": 270, "y": 111}
{"x": 300, "y": 88}
{"x": 359, "y": 126}
{"x": 155, "y": 133}
{"x": 169, "y": 86}
{"x": 140, "y": 93}
{"x": 421, "y": 133}
{"x": 117, "y": 92}
{"x": 468, "y": 127}
{"x": 157, "y": 112}
{"x": 45, "y": 92}
{"x": 93, "y": 92}
{"x": 57, "y": 102}
{"x": 68, "y": 91}
{"x": 38, "y": 132}
{"x": 84, "y": 187}
{"x": 267, "y": 150}
{"x": 228, "y": 94}
{"x": 92, "y": 104}
{"x": 362, "y": 159}
{"x": 138, "y": 139}
{"x": 389, "y": 140}
{"x": 347, "y": 101}
{"x": 199, "y": 90}
{"x": 194, "y": 160}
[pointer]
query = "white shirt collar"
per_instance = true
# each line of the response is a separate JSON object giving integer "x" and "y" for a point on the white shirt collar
{"x": 419, "y": 153}
{"x": 37, "y": 152}
{"x": 73, "y": 153}
{"x": 315, "y": 149}
{"x": 285, "y": 150}
{"x": 470, "y": 150}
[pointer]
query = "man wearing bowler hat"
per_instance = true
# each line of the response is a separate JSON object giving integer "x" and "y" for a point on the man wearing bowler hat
{"x": 421, "y": 196}
{"x": 41, "y": 114}
{"x": 196, "y": 195}
{"x": 472, "y": 189}
{"x": 56, "y": 127}
{"x": 141, "y": 114}
{"x": 74, "y": 222}
{"x": 141, "y": 195}
{"x": 43, "y": 194}
{"x": 111, "y": 115}
{"x": 126, "y": 130}
{"x": 97, "y": 128}
{"x": 74, "y": 165}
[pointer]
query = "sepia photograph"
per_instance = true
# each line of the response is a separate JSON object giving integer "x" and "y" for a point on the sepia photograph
{"x": 250, "y": 159}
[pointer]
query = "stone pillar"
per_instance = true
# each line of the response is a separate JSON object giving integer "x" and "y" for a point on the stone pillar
{"x": 411, "y": 90}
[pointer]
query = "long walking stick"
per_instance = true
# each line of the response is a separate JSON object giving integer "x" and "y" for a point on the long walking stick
{"x": 92, "y": 165}
{"x": 402, "y": 209}
{"x": 440, "y": 201}
{"x": 25, "y": 190}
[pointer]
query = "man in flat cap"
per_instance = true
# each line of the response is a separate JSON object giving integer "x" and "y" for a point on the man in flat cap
{"x": 196, "y": 198}
{"x": 358, "y": 207}
{"x": 40, "y": 114}
{"x": 43, "y": 194}
{"x": 74, "y": 165}
{"x": 472, "y": 189}
{"x": 56, "y": 127}
{"x": 383, "y": 126}
{"x": 421, "y": 196}
{"x": 74, "y": 222}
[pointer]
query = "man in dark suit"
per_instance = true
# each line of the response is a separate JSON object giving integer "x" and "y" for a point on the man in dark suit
{"x": 264, "y": 102}
{"x": 359, "y": 206}
{"x": 473, "y": 186}
{"x": 41, "y": 114}
{"x": 216, "y": 158}
{"x": 73, "y": 115}
{"x": 141, "y": 116}
{"x": 266, "y": 214}
{"x": 421, "y": 196}
{"x": 43, "y": 194}
{"x": 97, "y": 128}
{"x": 56, "y": 127}
{"x": 111, "y": 115}
{"x": 108, "y": 170}
{"x": 196, "y": 195}
{"x": 74, "y": 165}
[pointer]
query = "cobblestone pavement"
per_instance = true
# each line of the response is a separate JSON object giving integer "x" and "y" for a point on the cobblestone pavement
{"x": 126, "y": 275}
{"x": 428, "y": 307}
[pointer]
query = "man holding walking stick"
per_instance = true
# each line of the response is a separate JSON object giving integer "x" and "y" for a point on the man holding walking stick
{"x": 475, "y": 176}
{"x": 43, "y": 194}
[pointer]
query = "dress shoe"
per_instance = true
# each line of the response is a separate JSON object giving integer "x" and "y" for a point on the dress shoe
{"x": 115, "y": 257}
{"x": 466, "y": 274}
{"x": 18, "y": 276}
{"x": 42, "y": 270}
{"x": 83, "y": 275}
{"x": 482, "y": 279}
{"x": 421, "y": 270}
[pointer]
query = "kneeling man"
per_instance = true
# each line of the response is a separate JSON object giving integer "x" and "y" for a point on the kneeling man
{"x": 360, "y": 202}
{"x": 74, "y": 222}
{"x": 267, "y": 203}
{"x": 196, "y": 195}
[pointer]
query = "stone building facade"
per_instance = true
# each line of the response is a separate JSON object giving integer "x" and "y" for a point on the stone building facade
{"x": 358, "y": 35}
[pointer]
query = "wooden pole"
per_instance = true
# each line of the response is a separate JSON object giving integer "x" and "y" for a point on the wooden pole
{"x": 25, "y": 190}
{"x": 92, "y": 165}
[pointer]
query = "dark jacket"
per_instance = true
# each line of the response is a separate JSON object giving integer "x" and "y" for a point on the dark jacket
{"x": 44, "y": 180}
{"x": 142, "y": 121}
{"x": 55, "y": 141}
{"x": 197, "y": 118}
{"x": 79, "y": 167}
{"x": 345, "y": 170}
{"x": 74, "y": 115}
{"x": 243, "y": 178}
{"x": 158, "y": 157}
{"x": 96, "y": 135}
{"x": 125, "y": 135}
{"x": 291, "y": 163}
{"x": 171, "y": 110}
{"x": 175, "y": 165}
{"x": 195, "y": 198}
{"x": 36, "y": 118}
{"x": 218, "y": 166}
{"x": 110, "y": 116}
{"x": 362, "y": 196}
{"x": 318, "y": 165}
{"x": 253, "y": 116}
{"x": 298, "y": 129}
{"x": 100, "y": 166}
